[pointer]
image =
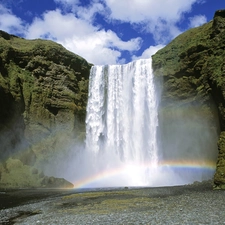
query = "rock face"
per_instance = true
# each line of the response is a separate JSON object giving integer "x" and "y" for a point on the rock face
{"x": 192, "y": 70}
{"x": 43, "y": 95}
{"x": 44, "y": 91}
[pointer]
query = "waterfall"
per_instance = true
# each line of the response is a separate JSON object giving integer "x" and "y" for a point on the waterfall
{"x": 123, "y": 132}
{"x": 121, "y": 122}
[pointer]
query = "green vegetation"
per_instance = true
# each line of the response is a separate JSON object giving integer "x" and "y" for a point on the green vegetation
{"x": 105, "y": 202}
{"x": 191, "y": 71}
{"x": 43, "y": 90}
{"x": 172, "y": 59}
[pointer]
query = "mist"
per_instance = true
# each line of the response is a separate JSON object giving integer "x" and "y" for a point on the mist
{"x": 186, "y": 150}
{"x": 133, "y": 138}
{"x": 131, "y": 145}
{"x": 187, "y": 153}
{"x": 188, "y": 135}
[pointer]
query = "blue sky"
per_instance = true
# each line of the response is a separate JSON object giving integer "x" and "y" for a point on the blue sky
{"x": 106, "y": 31}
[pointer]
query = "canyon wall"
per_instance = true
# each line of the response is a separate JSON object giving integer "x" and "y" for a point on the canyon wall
{"x": 192, "y": 71}
{"x": 44, "y": 92}
{"x": 43, "y": 97}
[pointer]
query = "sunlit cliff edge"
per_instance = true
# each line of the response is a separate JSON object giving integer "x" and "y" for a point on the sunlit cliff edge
{"x": 44, "y": 91}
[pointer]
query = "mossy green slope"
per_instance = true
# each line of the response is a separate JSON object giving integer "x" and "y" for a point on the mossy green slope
{"x": 192, "y": 69}
{"x": 43, "y": 97}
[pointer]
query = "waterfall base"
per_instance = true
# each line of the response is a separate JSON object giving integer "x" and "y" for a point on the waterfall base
{"x": 122, "y": 134}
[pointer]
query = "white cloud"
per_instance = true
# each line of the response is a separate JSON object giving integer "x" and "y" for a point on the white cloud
{"x": 86, "y": 13}
{"x": 197, "y": 21}
{"x": 149, "y": 52}
{"x": 59, "y": 25}
{"x": 163, "y": 31}
{"x": 112, "y": 40}
{"x": 135, "y": 11}
{"x": 74, "y": 26}
{"x": 99, "y": 54}
{"x": 78, "y": 35}
{"x": 100, "y": 47}
{"x": 9, "y": 22}
{"x": 157, "y": 17}
{"x": 95, "y": 45}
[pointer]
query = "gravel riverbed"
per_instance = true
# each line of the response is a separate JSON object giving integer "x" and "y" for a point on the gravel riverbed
{"x": 189, "y": 204}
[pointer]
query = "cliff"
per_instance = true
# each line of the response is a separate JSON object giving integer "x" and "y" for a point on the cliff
{"x": 43, "y": 96}
{"x": 44, "y": 91}
{"x": 192, "y": 70}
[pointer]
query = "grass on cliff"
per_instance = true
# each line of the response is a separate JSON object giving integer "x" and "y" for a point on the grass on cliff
{"x": 12, "y": 46}
{"x": 168, "y": 61}
{"x": 39, "y": 46}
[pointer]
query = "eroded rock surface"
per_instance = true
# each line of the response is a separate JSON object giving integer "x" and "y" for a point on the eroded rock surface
{"x": 43, "y": 95}
{"x": 192, "y": 70}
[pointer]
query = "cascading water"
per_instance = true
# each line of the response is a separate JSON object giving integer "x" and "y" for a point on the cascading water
{"x": 123, "y": 132}
{"x": 121, "y": 122}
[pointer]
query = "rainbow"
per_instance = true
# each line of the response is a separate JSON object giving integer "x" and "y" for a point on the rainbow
{"x": 181, "y": 166}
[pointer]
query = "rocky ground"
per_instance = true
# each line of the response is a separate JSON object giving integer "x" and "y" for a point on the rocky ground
{"x": 191, "y": 204}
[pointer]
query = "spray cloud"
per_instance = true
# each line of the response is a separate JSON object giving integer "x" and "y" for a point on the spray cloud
{"x": 129, "y": 144}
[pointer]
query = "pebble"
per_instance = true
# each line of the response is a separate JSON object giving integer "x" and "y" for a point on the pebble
{"x": 192, "y": 208}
